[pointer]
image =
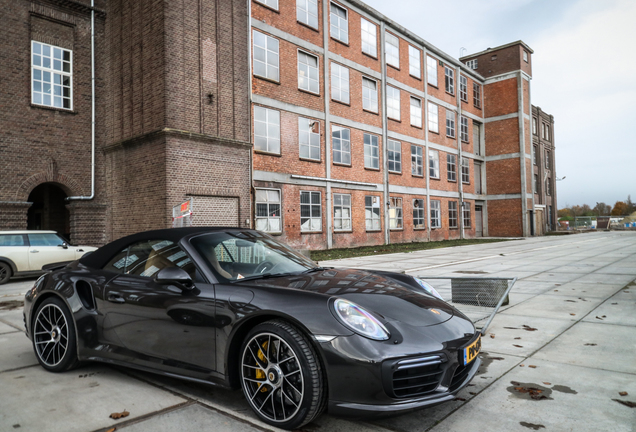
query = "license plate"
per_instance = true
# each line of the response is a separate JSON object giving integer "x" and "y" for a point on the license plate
{"x": 471, "y": 351}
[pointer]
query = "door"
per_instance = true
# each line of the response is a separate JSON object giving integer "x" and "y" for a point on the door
{"x": 16, "y": 248}
{"x": 540, "y": 224}
{"x": 479, "y": 224}
{"x": 477, "y": 138}
{"x": 46, "y": 248}
{"x": 478, "y": 189}
{"x": 160, "y": 321}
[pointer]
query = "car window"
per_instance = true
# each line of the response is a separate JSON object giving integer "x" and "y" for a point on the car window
{"x": 45, "y": 239}
{"x": 12, "y": 240}
{"x": 147, "y": 257}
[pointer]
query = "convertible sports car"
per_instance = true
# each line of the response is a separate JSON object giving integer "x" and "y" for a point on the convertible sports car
{"x": 235, "y": 307}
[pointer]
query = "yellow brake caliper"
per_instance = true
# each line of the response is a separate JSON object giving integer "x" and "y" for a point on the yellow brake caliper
{"x": 260, "y": 374}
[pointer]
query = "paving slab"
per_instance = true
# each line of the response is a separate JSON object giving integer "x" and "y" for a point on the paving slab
{"x": 553, "y": 306}
{"x": 578, "y": 399}
{"x": 76, "y": 401}
{"x": 613, "y": 311}
{"x": 189, "y": 418}
{"x": 13, "y": 318}
{"x": 601, "y": 278}
{"x": 554, "y": 277}
{"x": 594, "y": 345}
{"x": 4, "y": 328}
{"x": 16, "y": 351}
{"x": 585, "y": 290}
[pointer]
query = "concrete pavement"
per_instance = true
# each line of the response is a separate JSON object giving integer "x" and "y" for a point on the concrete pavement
{"x": 577, "y": 291}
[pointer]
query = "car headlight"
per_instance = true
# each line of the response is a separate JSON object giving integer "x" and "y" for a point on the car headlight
{"x": 359, "y": 320}
{"x": 429, "y": 289}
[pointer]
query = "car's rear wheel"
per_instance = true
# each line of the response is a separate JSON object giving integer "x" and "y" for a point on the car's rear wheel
{"x": 281, "y": 375}
{"x": 54, "y": 336}
{"x": 5, "y": 273}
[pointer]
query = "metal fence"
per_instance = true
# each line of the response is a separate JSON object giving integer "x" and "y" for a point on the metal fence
{"x": 476, "y": 297}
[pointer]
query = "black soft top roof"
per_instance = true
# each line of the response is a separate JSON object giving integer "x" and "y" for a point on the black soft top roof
{"x": 101, "y": 256}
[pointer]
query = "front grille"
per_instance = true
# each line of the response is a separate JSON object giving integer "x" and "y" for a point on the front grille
{"x": 460, "y": 375}
{"x": 417, "y": 377}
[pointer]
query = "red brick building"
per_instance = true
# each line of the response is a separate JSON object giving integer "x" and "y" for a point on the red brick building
{"x": 544, "y": 171}
{"x": 323, "y": 122}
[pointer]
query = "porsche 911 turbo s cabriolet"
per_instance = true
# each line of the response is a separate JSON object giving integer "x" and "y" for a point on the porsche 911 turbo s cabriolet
{"x": 236, "y": 307}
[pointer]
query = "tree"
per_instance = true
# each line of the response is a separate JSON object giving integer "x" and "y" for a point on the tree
{"x": 631, "y": 207}
{"x": 620, "y": 209}
{"x": 602, "y": 209}
{"x": 564, "y": 212}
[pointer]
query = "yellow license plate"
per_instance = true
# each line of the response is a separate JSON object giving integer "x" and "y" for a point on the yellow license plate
{"x": 471, "y": 351}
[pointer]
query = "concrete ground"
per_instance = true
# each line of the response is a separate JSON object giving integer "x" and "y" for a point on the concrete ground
{"x": 578, "y": 292}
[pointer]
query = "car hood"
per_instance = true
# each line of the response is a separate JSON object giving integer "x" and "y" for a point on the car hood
{"x": 392, "y": 299}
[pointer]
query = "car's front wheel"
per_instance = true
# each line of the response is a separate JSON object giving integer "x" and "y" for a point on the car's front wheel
{"x": 54, "y": 336}
{"x": 281, "y": 375}
{"x": 5, "y": 273}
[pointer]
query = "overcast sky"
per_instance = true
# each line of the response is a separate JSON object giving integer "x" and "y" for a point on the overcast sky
{"x": 583, "y": 73}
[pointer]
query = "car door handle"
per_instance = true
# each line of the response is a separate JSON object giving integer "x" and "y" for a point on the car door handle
{"x": 115, "y": 298}
{"x": 35, "y": 251}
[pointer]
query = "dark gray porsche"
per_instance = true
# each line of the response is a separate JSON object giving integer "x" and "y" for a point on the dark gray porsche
{"x": 236, "y": 307}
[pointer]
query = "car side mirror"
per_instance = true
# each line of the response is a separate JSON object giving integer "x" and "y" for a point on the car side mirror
{"x": 64, "y": 245}
{"x": 174, "y": 276}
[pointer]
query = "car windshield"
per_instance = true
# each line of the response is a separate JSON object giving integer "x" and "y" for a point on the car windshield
{"x": 234, "y": 256}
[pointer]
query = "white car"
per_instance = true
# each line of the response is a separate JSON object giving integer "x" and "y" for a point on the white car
{"x": 25, "y": 252}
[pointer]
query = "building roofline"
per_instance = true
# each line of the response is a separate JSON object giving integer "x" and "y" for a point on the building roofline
{"x": 489, "y": 50}
{"x": 432, "y": 48}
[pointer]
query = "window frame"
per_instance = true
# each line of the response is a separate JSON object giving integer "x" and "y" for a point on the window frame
{"x": 412, "y": 49}
{"x": 266, "y": 4}
{"x": 431, "y": 78}
{"x": 370, "y": 146}
{"x": 268, "y": 203}
{"x": 311, "y": 209}
{"x": 465, "y": 170}
{"x": 373, "y": 219}
{"x": 535, "y": 151}
{"x": 397, "y": 156}
{"x": 433, "y": 117}
{"x": 464, "y": 136}
{"x": 341, "y": 152}
{"x": 389, "y": 53}
{"x": 435, "y": 213}
{"x": 452, "y": 214}
{"x": 267, "y": 126}
{"x": 308, "y": 144}
{"x": 397, "y": 210}
{"x": 391, "y": 101}
{"x": 368, "y": 90}
{"x": 308, "y": 13}
{"x": 415, "y": 166}
{"x": 463, "y": 88}
{"x": 340, "y": 79}
{"x": 375, "y": 38}
{"x": 342, "y": 206}
{"x": 476, "y": 95}
{"x": 547, "y": 160}
{"x": 267, "y": 50}
{"x": 52, "y": 72}
{"x": 417, "y": 110}
{"x": 308, "y": 78}
{"x": 433, "y": 164}
{"x": 449, "y": 80}
{"x": 338, "y": 26}
{"x": 450, "y": 123}
{"x": 419, "y": 221}
{"x": 466, "y": 214}
{"x": 451, "y": 167}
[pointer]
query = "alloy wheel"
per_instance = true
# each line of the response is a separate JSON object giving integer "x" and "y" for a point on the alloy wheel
{"x": 51, "y": 335}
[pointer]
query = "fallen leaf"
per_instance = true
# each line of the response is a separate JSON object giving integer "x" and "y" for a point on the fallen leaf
{"x": 518, "y": 346}
{"x": 460, "y": 399}
{"x": 556, "y": 290}
{"x": 492, "y": 335}
{"x": 598, "y": 317}
{"x": 603, "y": 316}
{"x": 496, "y": 358}
{"x": 521, "y": 365}
{"x": 117, "y": 416}
{"x": 512, "y": 328}
{"x": 528, "y": 328}
{"x": 590, "y": 344}
{"x": 532, "y": 366}
{"x": 573, "y": 314}
{"x": 472, "y": 393}
{"x": 614, "y": 303}
{"x": 111, "y": 430}
{"x": 547, "y": 383}
{"x": 626, "y": 403}
{"x": 622, "y": 393}
{"x": 517, "y": 338}
{"x": 571, "y": 301}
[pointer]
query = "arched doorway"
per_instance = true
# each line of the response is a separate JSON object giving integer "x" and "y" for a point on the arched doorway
{"x": 48, "y": 211}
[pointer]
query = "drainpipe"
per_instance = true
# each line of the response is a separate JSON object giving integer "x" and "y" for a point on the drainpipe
{"x": 458, "y": 134}
{"x": 92, "y": 195}
{"x": 327, "y": 96}
{"x": 385, "y": 153}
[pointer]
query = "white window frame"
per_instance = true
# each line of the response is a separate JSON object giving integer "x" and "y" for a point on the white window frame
{"x": 416, "y": 112}
{"x": 450, "y": 123}
{"x": 371, "y": 160}
{"x": 547, "y": 160}
{"x": 435, "y": 212}
{"x": 268, "y": 54}
{"x": 339, "y": 28}
{"x": 396, "y": 215}
{"x": 534, "y": 126}
{"x": 372, "y": 213}
{"x": 306, "y": 81}
{"x": 452, "y": 214}
{"x": 369, "y": 32}
{"x": 267, "y": 3}
{"x": 369, "y": 95}
{"x": 431, "y": 70}
{"x": 463, "y": 129}
{"x": 307, "y": 126}
{"x": 393, "y": 102}
{"x": 312, "y": 215}
{"x": 415, "y": 60}
{"x": 394, "y": 156}
{"x": 463, "y": 88}
{"x": 449, "y": 80}
{"x": 451, "y": 167}
{"x": 525, "y": 56}
{"x": 476, "y": 95}
{"x": 272, "y": 130}
{"x": 433, "y": 117}
{"x": 417, "y": 161}
{"x": 305, "y": 11}
{"x": 342, "y": 221}
{"x": 392, "y": 49}
{"x": 342, "y": 154}
{"x": 472, "y": 64}
{"x": 419, "y": 214}
{"x": 340, "y": 83}
{"x": 269, "y": 217}
{"x": 466, "y": 214}
{"x": 433, "y": 164}
{"x": 465, "y": 170}
{"x": 49, "y": 77}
